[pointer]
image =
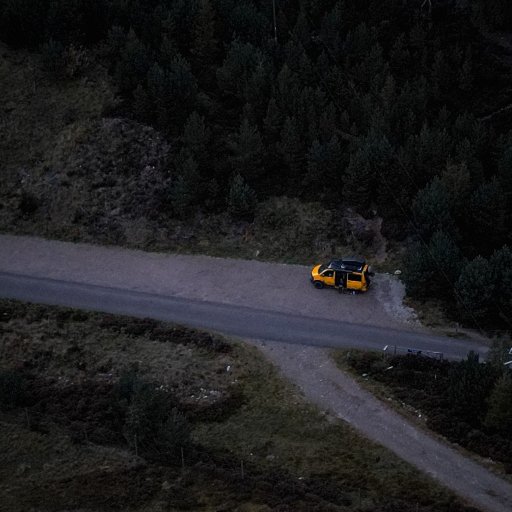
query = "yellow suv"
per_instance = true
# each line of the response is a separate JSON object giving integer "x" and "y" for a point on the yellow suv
{"x": 344, "y": 274}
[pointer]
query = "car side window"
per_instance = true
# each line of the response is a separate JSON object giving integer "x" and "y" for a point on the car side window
{"x": 354, "y": 277}
{"x": 328, "y": 273}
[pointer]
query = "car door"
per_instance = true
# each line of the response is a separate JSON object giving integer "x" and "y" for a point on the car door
{"x": 328, "y": 277}
{"x": 354, "y": 281}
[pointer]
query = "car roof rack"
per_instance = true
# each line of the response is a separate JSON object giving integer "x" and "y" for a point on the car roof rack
{"x": 348, "y": 264}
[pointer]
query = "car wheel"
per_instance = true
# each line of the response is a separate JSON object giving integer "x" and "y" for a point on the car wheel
{"x": 318, "y": 284}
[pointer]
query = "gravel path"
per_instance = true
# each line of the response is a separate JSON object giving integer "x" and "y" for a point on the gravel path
{"x": 256, "y": 284}
{"x": 321, "y": 382}
{"x": 280, "y": 288}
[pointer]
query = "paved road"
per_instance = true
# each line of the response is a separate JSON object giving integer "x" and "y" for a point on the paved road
{"x": 243, "y": 298}
{"x": 230, "y": 319}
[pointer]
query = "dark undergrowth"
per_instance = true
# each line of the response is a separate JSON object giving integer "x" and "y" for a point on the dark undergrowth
{"x": 467, "y": 402}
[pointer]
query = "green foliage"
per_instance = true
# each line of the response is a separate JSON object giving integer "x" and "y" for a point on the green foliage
{"x": 204, "y": 44}
{"x": 468, "y": 402}
{"x": 184, "y": 189}
{"x": 196, "y": 139}
{"x": 52, "y": 54}
{"x": 487, "y": 217}
{"x": 28, "y": 203}
{"x": 172, "y": 92}
{"x": 432, "y": 269}
{"x": 12, "y": 390}
{"x": 324, "y": 168}
{"x": 133, "y": 62}
{"x": 246, "y": 149}
{"x": 243, "y": 73}
{"x": 432, "y": 209}
{"x": 501, "y": 264}
{"x": 367, "y": 170}
{"x": 499, "y": 414}
{"x": 476, "y": 290}
{"x": 484, "y": 289}
{"x": 241, "y": 200}
{"x": 291, "y": 149}
{"x": 469, "y": 385}
{"x": 154, "y": 427}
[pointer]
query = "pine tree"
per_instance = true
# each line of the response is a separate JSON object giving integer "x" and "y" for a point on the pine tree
{"x": 241, "y": 200}
{"x": 290, "y": 148}
{"x": 504, "y": 175}
{"x": 246, "y": 150}
{"x": 204, "y": 43}
{"x": 432, "y": 209}
{"x": 499, "y": 414}
{"x": 184, "y": 190}
{"x": 501, "y": 264}
{"x": 173, "y": 93}
{"x": 196, "y": 139}
{"x": 359, "y": 180}
{"x": 475, "y": 290}
{"x": 432, "y": 269}
{"x": 368, "y": 168}
{"x": 142, "y": 105}
{"x": 466, "y": 73}
{"x": 134, "y": 63}
{"x": 287, "y": 90}
{"x": 241, "y": 70}
{"x": 272, "y": 122}
{"x": 316, "y": 160}
{"x": 468, "y": 387}
{"x": 457, "y": 182}
{"x": 328, "y": 123}
{"x": 487, "y": 209}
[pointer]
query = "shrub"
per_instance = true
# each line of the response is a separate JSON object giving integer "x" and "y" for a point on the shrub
{"x": 12, "y": 390}
{"x": 154, "y": 427}
{"x": 29, "y": 203}
{"x": 475, "y": 290}
{"x": 499, "y": 415}
{"x": 430, "y": 270}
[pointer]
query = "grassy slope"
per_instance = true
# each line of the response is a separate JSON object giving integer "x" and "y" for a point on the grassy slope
{"x": 99, "y": 179}
{"x": 293, "y": 457}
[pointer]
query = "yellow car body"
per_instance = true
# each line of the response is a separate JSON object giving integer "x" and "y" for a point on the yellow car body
{"x": 344, "y": 274}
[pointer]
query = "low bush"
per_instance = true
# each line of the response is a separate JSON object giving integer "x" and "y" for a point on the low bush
{"x": 467, "y": 401}
{"x": 12, "y": 390}
{"x": 28, "y": 203}
{"x": 155, "y": 428}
